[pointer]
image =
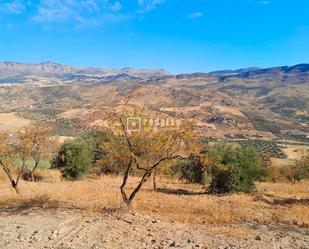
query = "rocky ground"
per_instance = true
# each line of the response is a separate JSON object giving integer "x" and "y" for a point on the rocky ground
{"x": 60, "y": 229}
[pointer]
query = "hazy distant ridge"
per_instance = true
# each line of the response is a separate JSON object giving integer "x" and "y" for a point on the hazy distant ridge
{"x": 51, "y": 68}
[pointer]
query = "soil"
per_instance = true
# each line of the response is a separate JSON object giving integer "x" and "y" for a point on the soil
{"x": 63, "y": 229}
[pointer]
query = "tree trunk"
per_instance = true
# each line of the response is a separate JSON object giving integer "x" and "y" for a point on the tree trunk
{"x": 32, "y": 176}
{"x": 9, "y": 175}
{"x": 15, "y": 186}
{"x": 33, "y": 170}
{"x": 145, "y": 177}
{"x": 154, "y": 180}
{"x": 124, "y": 183}
{"x": 128, "y": 200}
{"x": 139, "y": 186}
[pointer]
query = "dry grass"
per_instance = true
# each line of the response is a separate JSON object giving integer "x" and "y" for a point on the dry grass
{"x": 284, "y": 189}
{"x": 10, "y": 122}
{"x": 192, "y": 206}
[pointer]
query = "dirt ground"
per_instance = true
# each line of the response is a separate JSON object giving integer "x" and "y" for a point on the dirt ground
{"x": 60, "y": 229}
{"x": 88, "y": 214}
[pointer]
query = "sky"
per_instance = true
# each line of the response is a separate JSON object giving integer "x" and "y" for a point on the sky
{"x": 181, "y": 36}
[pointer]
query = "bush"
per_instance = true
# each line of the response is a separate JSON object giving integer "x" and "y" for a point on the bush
{"x": 263, "y": 174}
{"x": 234, "y": 169}
{"x": 298, "y": 171}
{"x": 191, "y": 170}
{"x": 75, "y": 158}
{"x": 27, "y": 175}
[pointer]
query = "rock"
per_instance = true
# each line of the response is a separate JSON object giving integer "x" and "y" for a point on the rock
{"x": 258, "y": 237}
{"x": 173, "y": 244}
{"x": 263, "y": 198}
{"x": 261, "y": 227}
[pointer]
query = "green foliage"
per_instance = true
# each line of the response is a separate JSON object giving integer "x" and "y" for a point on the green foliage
{"x": 234, "y": 169}
{"x": 265, "y": 148}
{"x": 263, "y": 174}
{"x": 75, "y": 158}
{"x": 65, "y": 127}
{"x": 298, "y": 171}
{"x": 39, "y": 113}
{"x": 191, "y": 170}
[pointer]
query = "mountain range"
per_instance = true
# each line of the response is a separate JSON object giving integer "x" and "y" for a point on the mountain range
{"x": 268, "y": 103}
{"x": 12, "y": 72}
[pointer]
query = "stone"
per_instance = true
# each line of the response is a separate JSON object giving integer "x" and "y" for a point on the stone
{"x": 173, "y": 244}
{"x": 258, "y": 237}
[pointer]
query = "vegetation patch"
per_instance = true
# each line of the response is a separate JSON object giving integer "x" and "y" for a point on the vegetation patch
{"x": 233, "y": 169}
{"x": 260, "y": 123}
{"x": 265, "y": 148}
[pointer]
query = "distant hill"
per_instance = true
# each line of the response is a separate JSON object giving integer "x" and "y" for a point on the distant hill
{"x": 13, "y": 70}
{"x": 238, "y": 71}
{"x": 253, "y": 102}
{"x": 302, "y": 68}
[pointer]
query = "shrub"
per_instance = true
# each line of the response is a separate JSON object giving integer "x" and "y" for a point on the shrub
{"x": 263, "y": 174}
{"x": 27, "y": 175}
{"x": 298, "y": 171}
{"x": 234, "y": 169}
{"x": 192, "y": 170}
{"x": 75, "y": 158}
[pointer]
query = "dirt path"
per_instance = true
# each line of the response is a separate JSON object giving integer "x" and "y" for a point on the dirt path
{"x": 37, "y": 228}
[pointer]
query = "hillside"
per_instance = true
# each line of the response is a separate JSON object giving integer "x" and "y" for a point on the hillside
{"x": 246, "y": 103}
{"x": 78, "y": 193}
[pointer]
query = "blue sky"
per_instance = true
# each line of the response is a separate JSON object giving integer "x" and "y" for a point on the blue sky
{"x": 178, "y": 35}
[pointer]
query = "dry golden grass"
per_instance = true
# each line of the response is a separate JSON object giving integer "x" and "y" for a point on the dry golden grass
{"x": 191, "y": 207}
{"x": 10, "y": 122}
{"x": 47, "y": 174}
{"x": 284, "y": 189}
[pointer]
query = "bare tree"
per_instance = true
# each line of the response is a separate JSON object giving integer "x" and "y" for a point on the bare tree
{"x": 144, "y": 147}
{"x": 29, "y": 144}
{"x": 40, "y": 144}
{"x": 7, "y": 158}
